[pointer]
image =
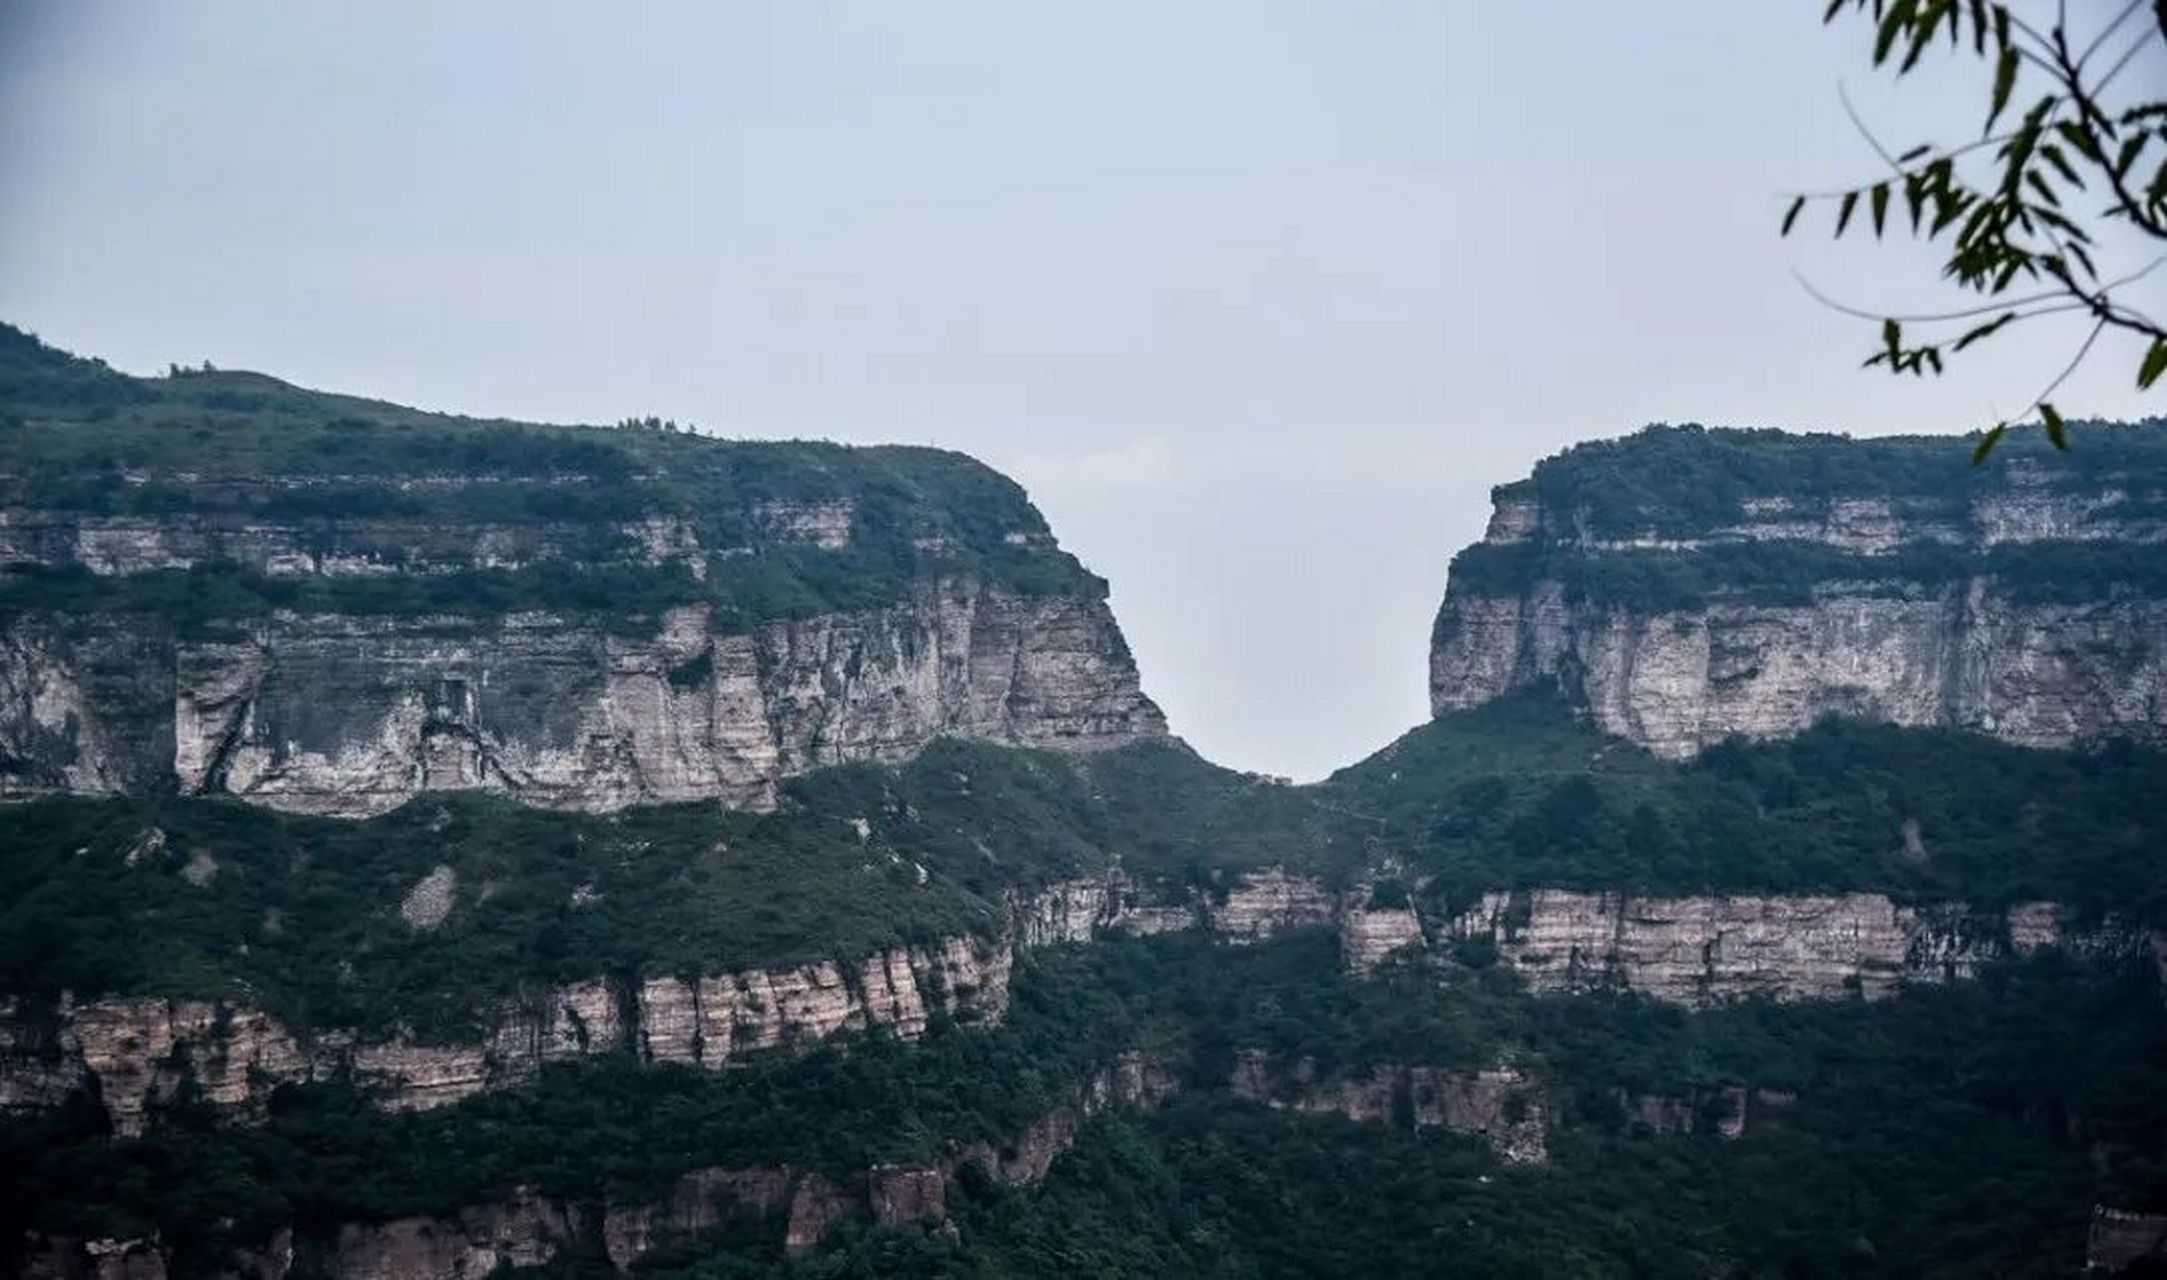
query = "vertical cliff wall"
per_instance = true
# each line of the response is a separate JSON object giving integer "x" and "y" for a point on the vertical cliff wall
{"x": 224, "y": 584}
{"x": 1689, "y": 585}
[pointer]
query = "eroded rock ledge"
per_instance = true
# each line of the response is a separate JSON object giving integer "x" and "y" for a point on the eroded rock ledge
{"x": 351, "y": 716}
{"x": 2003, "y": 603}
{"x": 1503, "y": 1105}
{"x": 138, "y": 1052}
{"x": 529, "y": 1229}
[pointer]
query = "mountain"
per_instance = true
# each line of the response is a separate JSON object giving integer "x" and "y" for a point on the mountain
{"x": 438, "y": 847}
{"x": 219, "y": 583}
{"x": 1692, "y": 584}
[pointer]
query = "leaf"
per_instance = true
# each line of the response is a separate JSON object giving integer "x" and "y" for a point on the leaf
{"x": 1881, "y": 207}
{"x": 2155, "y": 363}
{"x": 2082, "y": 138}
{"x": 1984, "y": 330}
{"x": 1987, "y": 442}
{"x": 2053, "y": 155}
{"x": 2130, "y": 147}
{"x": 2005, "y": 81}
{"x": 1796, "y": 205}
{"x": 1919, "y": 152}
{"x": 1843, "y": 215}
{"x": 1893, "y": 22}
{"x": 2057, "y": 430}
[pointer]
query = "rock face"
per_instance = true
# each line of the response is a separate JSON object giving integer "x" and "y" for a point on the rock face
{"x": 352, "y": 716}
{"x": 141, "y": 1052}
{"x": 1705, "y": 950}
{"x": 711, "y": 1022}
{"x": 2018, "y": 602}
{"x": 1500, "y": 1105}
{"x": 530, "y": 1230}
{"x": 2121, "y": 1239}
{"x": 328, "y": 605}
{"x": 525, "y": 1231}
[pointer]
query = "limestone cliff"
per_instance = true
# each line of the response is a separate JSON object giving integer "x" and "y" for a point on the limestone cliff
{"x": 139, "y": 1052}
{"x": 330, "y": 606}
{"x": 529, "y": 1228}
{"x": 1706, "y": 950}
{"x": 1690, "y": 585}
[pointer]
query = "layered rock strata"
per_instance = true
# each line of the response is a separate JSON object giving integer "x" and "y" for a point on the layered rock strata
{"x": 351, "y": 716}
{"x": 529, "y": 1229}
{"x": 1500, "y": 1105}
{"x": 1999, "y": 603}
{"x": 2122, "y": 1239}
{"x": 1504, "y": 1106}
{"x": 1705, "y": 950}
{"x": 140, "y": 1052}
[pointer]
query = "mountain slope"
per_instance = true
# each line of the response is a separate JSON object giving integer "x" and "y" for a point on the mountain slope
{"x": 219, "y": 583}
{"x": 1691, "y": 584}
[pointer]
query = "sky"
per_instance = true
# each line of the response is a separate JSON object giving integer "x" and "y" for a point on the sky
{"x": 1258, "y": 298}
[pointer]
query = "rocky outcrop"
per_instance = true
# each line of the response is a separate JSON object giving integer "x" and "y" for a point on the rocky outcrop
{"x": 2120, "y": 1239}
{"x": 66, "y": 1258}
{"x": 1721, "y": 1110}
{"x": 1260, "y": 904}
{"x": 140, "y": 1054}
{"x": 1500, "y": 1105}
{"x": 1084, "y": 909}
{"x": 525, "y": 1231}
{"x": 528, "y": 1229}
{"x": 1704, "y": 950}
{"x": 712, "y": 1022}
{"x": 1369, "y": 936}
{"x": 1133, "y": 1081}
{"x": 352, "y": 716}
{"x": 332, "y": 605}
{"x": 1985, "y": 603}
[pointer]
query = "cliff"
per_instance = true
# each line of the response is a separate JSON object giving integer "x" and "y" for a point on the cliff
{"x": 136, "y": 1054}
{"x": 529, "y": 1228}
{"x": 224, "y": 584}
{"x": 1690, "y": 585}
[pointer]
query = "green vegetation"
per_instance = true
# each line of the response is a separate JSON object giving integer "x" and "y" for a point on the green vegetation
{"x": 1679, "y": 481}
{"x": 85, "y": 441}
{"x": 1935, "y": 1134}
{"x": 1517, "y": 794}
{"x": 1798, "y": 573}
{"x": 1688, "y": 482}
{"x": 303, "y": 912}
{"x": 2010, "y": 214}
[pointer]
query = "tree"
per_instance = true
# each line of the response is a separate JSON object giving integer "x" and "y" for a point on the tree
{"x": 2030, "y": 211}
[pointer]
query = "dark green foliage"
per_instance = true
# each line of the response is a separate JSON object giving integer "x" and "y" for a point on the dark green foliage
{"x": 600, "y": 1129}
{"x": 1681, "y": 481}
{"x": 1948, "y": 1130}
{"x": 1692, "y": 483}
{"x": 87, "y": 441}
{"x": 1516, "y": 794}
{"x": 1953, "y": 1133}
{"x": 2024, "y": 209}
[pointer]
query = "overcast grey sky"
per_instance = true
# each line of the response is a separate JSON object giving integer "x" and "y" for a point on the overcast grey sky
{"x": 1257, "y": 297}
